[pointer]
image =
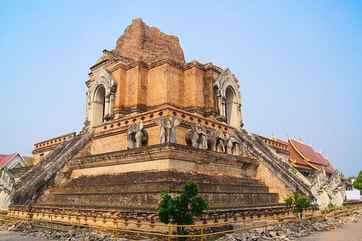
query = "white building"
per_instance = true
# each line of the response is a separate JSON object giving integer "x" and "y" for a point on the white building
{"x": 351, "y": 192}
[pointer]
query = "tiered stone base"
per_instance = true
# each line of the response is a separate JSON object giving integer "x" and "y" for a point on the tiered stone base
{"x": 141, "y": 191}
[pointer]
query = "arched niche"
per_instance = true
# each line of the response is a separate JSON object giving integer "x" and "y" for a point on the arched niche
{"x": 98, "y": 105}
{"x": 231, "y": 107}
{"x": 95, "y": 97}
{"x": 228, "y": 99}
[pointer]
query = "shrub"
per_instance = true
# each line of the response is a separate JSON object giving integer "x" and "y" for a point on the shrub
{"x": 182, "y": 209}
{"x": 358, "y": 182}
{"x": 298, "y": 203}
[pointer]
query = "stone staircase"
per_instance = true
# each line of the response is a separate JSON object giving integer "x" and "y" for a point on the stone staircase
{"x": 141, "y": 191}
{"x": 290, "y": 175}
{"x": 30, "y": 185}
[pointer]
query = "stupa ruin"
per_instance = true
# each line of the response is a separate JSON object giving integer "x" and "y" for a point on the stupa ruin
{"x": 153, "y": 122}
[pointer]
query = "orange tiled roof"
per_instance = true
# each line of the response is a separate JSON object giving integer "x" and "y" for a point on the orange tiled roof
{"x": 310, "y": 156}
{"x": 300, "y": 154}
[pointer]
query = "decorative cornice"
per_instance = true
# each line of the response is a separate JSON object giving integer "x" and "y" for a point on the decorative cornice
{"x": 115, "y": 64}
{"x": 163, "y": 110}
{"x": 54, "y": 141}
{"x": 157, "y": 152}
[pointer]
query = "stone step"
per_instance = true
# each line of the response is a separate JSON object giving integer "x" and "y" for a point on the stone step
{"x": 149, "y": 201}
{"x": 157, "y": 187}
{"x": 162, "y": 176}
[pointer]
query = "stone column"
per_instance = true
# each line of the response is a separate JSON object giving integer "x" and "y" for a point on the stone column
{"x": 110, "y": 106}
{"x": 87, "y": 110}
{"x": 220, "y": 104}
{"x": 223, "y": 106}
{"x": 106, "y": 105}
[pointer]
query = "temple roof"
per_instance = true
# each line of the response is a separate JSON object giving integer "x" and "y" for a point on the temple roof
{"x": 309, "y": 155}
{"x": 141, "y": 42}
{"x": 5, "y": 158}
{"x": 300, "y": 154}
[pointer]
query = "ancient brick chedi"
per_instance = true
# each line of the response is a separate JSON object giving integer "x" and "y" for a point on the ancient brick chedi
{"x": 142, "y": 43}
{"x": 153, "y": 122}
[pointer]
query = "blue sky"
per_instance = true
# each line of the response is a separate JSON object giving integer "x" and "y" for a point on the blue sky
{"x": 298, "y": 63}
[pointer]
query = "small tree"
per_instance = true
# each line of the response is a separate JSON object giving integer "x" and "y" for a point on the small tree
{"x": 358, "y": 182}
{"x": 298, "y": 203}
{"x": 182, "y": 208}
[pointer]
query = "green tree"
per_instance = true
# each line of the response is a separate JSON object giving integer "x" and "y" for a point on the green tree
{"x": 298, "y": 203}
{"x": 358, "y": 182}
{"x": 182, "y": 208}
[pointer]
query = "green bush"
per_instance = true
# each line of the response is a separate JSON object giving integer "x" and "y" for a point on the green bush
{"x": 331, "y": 207}
{"x": 358, "y": 182}
{"x": 182, "y": 208}
{"x": 298, "y": 203}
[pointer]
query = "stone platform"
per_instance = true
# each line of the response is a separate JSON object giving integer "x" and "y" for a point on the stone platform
{"x": 141, "y": 191}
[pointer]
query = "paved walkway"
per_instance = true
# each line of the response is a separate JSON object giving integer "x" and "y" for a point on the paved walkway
{"x": 14, "y": 236}
{"x": 349, "y": 232}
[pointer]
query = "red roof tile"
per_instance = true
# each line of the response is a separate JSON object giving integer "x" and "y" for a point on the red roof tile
{"x": 4, "y": 159}
{"x": 312, "y": 156}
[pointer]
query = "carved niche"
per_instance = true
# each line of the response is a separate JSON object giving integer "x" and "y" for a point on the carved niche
{"x": 102, "y": 80}
{"x": 228, "y": 99}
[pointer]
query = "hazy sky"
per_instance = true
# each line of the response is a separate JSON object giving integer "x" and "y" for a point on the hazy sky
{"x": 299, "y": 64}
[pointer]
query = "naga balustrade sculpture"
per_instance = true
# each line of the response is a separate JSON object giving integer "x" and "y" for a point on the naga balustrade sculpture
{"x": 328, "y": 190}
